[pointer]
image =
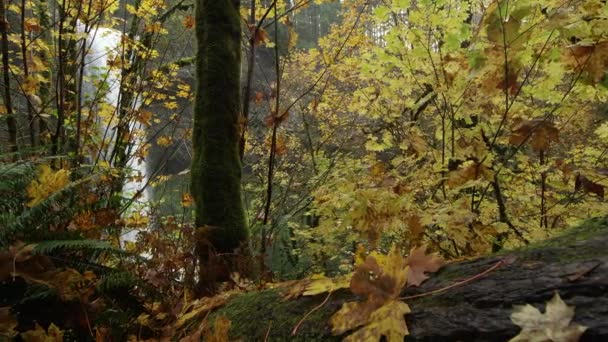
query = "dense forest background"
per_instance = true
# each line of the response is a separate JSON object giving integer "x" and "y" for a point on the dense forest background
{"x": 366, "y": 129}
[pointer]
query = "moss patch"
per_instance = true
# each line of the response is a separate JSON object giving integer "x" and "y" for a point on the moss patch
{"x": 276, "y": 316}
{"x": 565, "y": 244}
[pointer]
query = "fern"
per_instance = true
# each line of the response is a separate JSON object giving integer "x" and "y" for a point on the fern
{"x": 32, "y": 224}
{"x": 53, "y": 246}
{"x": 116, "y": 280}
{"x": 14, "y": 178}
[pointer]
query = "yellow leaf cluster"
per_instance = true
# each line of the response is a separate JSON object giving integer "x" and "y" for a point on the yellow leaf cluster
{"x": 47, "y": 183}
{"x": 381, "y": 314}
{"x": 315, "y": 285}
{"x": 52, "y": 334}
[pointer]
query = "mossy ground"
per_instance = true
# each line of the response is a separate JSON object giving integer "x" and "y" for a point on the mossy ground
{"x": 275, "y": 316}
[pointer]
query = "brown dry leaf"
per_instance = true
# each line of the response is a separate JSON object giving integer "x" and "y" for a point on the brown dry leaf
{"x": 554, "y": 325}
{"x": 588, "y": 186}
{"x": 539, "y": 132}
{"x": 18, "y": 261}
{"x": 281, "y": 145}
{"x": 470, "y": 171}
{"x": 420, "y": 263}
{"x": 590, "y": 59}
{"x": 415, "y": 226}
{"x": 510, "y": 82}
{"x": 8, "y": 323}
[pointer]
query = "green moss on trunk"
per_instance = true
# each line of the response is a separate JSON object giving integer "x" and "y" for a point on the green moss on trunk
{"x": 278, "y": 317}
{"x": 216, "y": 166}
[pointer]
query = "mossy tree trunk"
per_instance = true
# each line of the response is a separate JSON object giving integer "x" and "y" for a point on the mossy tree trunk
{"x": 216, "y": 166}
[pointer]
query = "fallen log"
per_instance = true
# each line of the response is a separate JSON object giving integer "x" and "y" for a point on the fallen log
{"x": 575, "y": 265}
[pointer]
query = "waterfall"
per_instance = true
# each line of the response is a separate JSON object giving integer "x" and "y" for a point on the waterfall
{"x": 103, "y": 83}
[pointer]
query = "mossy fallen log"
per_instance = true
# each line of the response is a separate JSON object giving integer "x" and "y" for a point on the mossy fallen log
{"x": 575, "y": 265}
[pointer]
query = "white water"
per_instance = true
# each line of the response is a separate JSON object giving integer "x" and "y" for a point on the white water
{"x": 102, "y": 45}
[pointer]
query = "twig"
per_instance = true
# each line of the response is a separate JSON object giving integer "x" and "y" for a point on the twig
{"x": 468, "y": 280}
{"x": 268, "y": 331}
{"x": 295, "y": 329}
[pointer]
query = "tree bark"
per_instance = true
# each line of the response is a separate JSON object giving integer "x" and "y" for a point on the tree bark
{"x": 216, "y": 166}
{"x": 11, "y": 122}
{"x": 575, "y": 265}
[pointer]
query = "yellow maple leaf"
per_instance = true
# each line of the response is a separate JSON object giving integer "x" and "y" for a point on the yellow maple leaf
{"x": 387, "y": 321}
{"x": 7, "y": 323}
{"x": 187, "y": 200}
{"x": 136, "y": 220}
{"x": 315, "y": 285}
{"x": 199, "y": 307}
{"x": 164, "y": 141}
{"x": 52, "y": 334}
{"x": 380, "y": 280}
{"x": 554, "y": 325}
{"x": 47, "y": 183}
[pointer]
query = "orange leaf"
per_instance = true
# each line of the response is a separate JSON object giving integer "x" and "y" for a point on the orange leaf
{"x": 188, "y": 22}
{"x": 259, "y": 97}
{"x": 588, "y": 186}
{"x": 590, "y": 59}
{"x": 32, "y": 25}
{"x": 272, "y": 119}
{"x": 539, "y": 132}
{"x": 187, "y": 200}
{"x": 259, "y": 35}
{"x": 420, "y": 263}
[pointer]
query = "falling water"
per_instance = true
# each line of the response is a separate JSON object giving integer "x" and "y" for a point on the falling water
{"x": 103, "y": 44}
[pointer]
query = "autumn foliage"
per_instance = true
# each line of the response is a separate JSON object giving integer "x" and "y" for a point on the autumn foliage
{"x": 380, "y": 140}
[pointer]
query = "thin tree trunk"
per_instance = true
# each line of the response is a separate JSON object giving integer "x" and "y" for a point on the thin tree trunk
{"x": 249, "y": 80}
{"x": 8, "y": 103}
{"x": 26, "y": 73}
{"x": 44, "y": 92}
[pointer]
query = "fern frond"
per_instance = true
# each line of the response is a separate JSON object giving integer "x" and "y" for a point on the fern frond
{"x": 48, "y": 247}
{"x": 116, "y": 280}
